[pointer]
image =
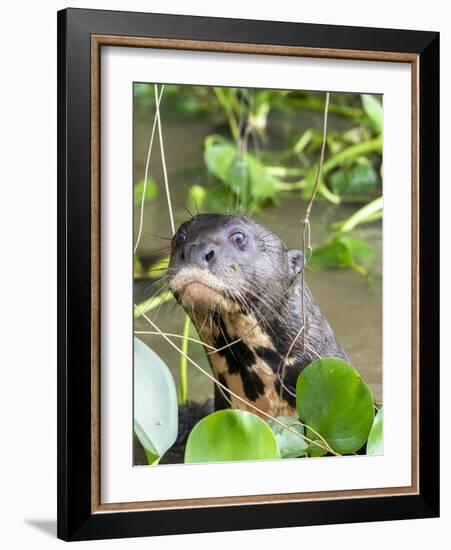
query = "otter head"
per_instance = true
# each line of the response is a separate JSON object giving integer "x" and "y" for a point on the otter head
{"x": 231, "y": 264}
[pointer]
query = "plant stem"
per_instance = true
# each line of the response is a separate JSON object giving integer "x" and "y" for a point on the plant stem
{"x": 229, "y": 112}
{"x": 317, "y": 105}
{"x": 369, "y": 146}
{"x": 291, "y": 186}
{"x": 370, "y": 212}
{"x": 183, "y": 361}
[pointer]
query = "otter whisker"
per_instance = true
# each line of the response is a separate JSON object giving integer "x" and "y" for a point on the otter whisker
{"x": 151, "y": 290}
{"x": 165, "y": 287}
{"x": 186, "y": 209}
{"x": 163, "y": 277}
{"x": 203, "y": 322}
{"x": 171, "y": 335}
{"x": 157, "y": 292}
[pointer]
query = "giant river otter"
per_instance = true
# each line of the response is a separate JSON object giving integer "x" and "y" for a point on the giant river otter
{"x": 242, "y": 289}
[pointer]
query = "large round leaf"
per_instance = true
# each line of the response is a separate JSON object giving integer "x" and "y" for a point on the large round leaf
{"x": 155, "y": 402}
{"x": 231, "y": 435}
{"x": 375, "y": 444}
{"x": 332, "y": 399}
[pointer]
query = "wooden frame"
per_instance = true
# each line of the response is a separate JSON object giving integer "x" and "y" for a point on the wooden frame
{"x": 81, "y": 35}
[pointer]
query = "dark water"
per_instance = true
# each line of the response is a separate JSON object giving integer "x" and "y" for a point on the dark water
{"x": 351, "y": 304}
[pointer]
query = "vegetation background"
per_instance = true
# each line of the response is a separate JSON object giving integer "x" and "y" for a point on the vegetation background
{"x": 257, "y": 152}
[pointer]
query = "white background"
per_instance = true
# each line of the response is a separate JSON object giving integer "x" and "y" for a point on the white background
{"x": 120, "y": 482}
{"x": 28, "y": 272}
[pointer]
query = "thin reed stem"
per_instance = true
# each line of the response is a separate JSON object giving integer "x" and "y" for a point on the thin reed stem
{"x": 163, "y": 160}
{"x": 183, "y": 361}
{"x": 146, "y": 174}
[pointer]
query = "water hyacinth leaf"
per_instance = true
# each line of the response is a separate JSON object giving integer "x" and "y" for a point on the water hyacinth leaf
{"x": 332, "y": 398}
{"x": 361, "y": 251}
{"x": 219, "y": 155}
{"x": 375, "y": 444}
{"x": 314, "y": 449}
{"x": 360, "y": 179}
{"x": 197, "y": 195}
{"x": 155, "y": 413}
{"x": 290, "y": 444}
{"x": 150, "y": 194}
{"x": 229, "y": 435}
{"x": 373, "y": 109}
{"x": 263, "y": 186}
{"x": 237, "y": 178}
{"x": 220, "y": 199}
{"x": 332, "y": 255}
{"x": 243, "y": 174}
{"x": 341, "y": 252}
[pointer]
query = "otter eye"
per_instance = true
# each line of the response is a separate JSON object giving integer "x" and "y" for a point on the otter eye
{"x": 238, "y": 239}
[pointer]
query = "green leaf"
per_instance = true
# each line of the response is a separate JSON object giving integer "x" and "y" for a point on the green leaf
{"x": 341, "y": 252}
{"x": 137, "y": 267}
{"x": 243, "y": 174}
{"x": 290, "y": 445}
{"x": 155, "y": 414}
{"x": 263, "y": 186}
{"x": 332, "y": 255}
{"x": 352, "y": 153}
{"x": 375, "y": 444}
{"x": 333, "y": 400}
{"x": 151, "y": 458}
{"x": 373, "y": 108}
{"x": 370, "y": 212}
{"x": 219, "y": 155}
{"x": 150, "y": 193}
{"x": 197, "y": 196}
{"x": 220, "y": 199}
{"x": 158, "y": 268}
{"x": 360, "y": 179}
{"x": 361, "y": 251}
{"x": 229, "y": 435}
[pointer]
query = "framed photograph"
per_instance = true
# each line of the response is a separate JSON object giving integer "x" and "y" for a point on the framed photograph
{"x": 248, "y": 274}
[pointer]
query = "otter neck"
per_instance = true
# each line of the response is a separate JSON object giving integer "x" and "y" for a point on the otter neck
{"x": 246, "y": 360}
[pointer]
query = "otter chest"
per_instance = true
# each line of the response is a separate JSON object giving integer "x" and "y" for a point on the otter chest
{"x": 247, "y": 363}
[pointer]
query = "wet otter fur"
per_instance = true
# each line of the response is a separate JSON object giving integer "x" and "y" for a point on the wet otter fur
{"x": 242, "y": 289}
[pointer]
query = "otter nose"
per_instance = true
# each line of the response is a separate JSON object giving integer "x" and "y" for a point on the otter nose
{"x": 200, "y": 254}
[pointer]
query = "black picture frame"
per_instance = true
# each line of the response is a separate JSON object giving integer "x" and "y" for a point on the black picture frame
{"x": 76, "y": 518}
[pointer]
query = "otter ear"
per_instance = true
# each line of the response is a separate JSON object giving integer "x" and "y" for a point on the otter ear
{"x": 296, "y": 261}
